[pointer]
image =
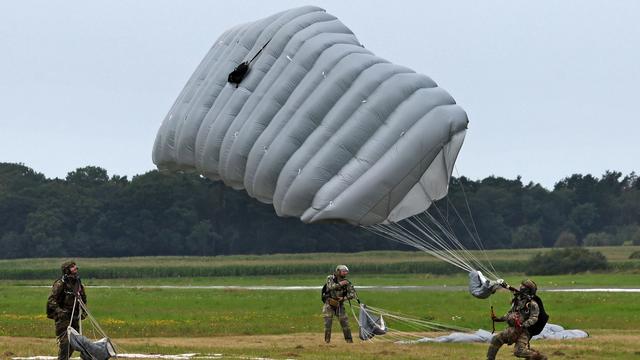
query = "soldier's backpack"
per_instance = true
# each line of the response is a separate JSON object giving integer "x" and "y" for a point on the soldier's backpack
{"x": 543, "y": 318}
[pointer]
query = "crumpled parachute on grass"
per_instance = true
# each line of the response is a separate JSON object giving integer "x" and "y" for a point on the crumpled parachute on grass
{"x": 369, "y": 324}
{"x": 320, "y": 127}
{"x": 96, "y": 350}
{"x": 550, "y": 331}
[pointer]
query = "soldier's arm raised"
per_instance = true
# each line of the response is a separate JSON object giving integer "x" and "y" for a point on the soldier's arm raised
{"x": 534, "y": 312}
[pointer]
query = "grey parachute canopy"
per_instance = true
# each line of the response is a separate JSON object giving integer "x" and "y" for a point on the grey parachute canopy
{"x": 480, "y": 286}
{"x": 102, "y": 349}
{"x": 369, "y": 324}
{"x": 314, "y": 123}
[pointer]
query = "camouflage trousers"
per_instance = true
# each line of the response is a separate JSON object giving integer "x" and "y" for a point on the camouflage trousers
{"x": 64, "y": 350}
{"x": 328, "y": 312}
{"x": 520, "y": 338}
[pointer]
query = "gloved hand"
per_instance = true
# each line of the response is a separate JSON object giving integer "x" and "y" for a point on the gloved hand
{"x": 344, "y": 283}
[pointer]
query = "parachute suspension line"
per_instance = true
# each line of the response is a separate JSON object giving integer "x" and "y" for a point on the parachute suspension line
{"x": 418, "y": 327}
{"x": 392, "y": 335}
{"x": 441, "y": 245}
{"x": 453, "y": 238}
{"x": 477, "y": 243}
{"x": 416, "y": 322}
{"x": 473, "y": 222}
{"x": 73, "y": 311}
{"x": 97, "y": 327}
{"x": 440, "y": 242}
{"x": 476, "y": 263}
{"x": 436, "y": 237}
{"x": 389, "y": 232}
{"x": 91, "y": 319}
{"x": 452, "y": 242}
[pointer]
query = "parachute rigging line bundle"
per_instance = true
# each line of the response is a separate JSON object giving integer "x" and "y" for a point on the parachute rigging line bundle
{"x": 371, "y": 323}
{"x": 295, "y": 111}
{"x": 102, "y": 349}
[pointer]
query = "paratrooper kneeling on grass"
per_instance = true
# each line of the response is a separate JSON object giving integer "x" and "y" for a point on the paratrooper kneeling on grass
{"x": 525, "y": 318}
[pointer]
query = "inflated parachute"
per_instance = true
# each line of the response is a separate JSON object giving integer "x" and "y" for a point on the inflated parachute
{"x": 314, "y": 123}
{"x": 293, "y": 109}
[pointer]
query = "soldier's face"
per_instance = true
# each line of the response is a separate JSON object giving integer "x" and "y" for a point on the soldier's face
{"x": 73, "y": 270}
{"x": 344, "y": 273}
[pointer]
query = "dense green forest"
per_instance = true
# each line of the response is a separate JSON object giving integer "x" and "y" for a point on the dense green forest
{"x": 91, "y": 214}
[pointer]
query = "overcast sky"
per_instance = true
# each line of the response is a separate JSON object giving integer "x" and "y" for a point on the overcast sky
{"x": 551, "y": 87}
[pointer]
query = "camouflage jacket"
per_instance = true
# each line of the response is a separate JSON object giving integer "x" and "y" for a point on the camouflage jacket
{"x": 524, "y": 312}
{"x": 336, "y": 290}
{"x": 61, "y": 299}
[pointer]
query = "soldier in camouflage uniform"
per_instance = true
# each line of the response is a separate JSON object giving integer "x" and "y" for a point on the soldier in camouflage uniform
{"x": 60, "y": 306}
{"x": 337, "y": 290}
{"x": 523, "y": 314}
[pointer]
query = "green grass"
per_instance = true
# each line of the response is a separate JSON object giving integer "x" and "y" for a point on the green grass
{"x": 372, "y": 262}
{"x": 202, "y": 312}
{"x": 610, "y": 279}
{"x": 288, "y": 324}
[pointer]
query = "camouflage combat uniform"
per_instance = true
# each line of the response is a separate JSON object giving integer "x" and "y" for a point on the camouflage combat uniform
{"x": 59, "y": 308}
{"x": 523, "y": 314}
{"x": 334, "y": 307}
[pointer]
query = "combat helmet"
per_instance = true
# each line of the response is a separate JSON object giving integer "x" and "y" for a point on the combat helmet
{"x": 528, "y": 286}
{"x": 66, "y": 266}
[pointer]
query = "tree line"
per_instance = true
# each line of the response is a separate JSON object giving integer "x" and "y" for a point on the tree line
{"x": 89, "y": 213}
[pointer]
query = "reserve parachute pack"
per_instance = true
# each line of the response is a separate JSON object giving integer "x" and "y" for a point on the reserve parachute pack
{"x": 543, "y": 318}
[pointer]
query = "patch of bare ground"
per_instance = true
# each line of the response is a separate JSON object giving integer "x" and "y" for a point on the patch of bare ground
{"x": 603, "y": 344}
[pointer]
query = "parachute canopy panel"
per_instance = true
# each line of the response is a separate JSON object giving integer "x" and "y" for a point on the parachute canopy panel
{"x": 317, "y": 125}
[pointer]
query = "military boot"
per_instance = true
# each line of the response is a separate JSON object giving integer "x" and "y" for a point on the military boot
{"x": 347, "y": 335}
{"x": 492, "y": 352}
{"x": 327, "y": 336}
{"x": 537, "y": 356}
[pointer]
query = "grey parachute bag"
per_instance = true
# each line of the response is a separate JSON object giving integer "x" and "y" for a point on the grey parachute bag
{"x": 480, "y": 286}
{"x": 102, "y": 349}
{"x": 370, "y": 325}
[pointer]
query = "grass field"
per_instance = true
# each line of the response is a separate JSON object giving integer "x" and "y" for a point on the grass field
{"x": 288, "y": 324}
{"x": 372, "y": 262}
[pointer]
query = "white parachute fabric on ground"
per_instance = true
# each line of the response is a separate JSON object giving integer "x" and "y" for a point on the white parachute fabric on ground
{"x": 319, "y": 126}
{"x": 102, "y": 349}
{"x": 557, "y": 332}
{"x": 370, "y": 325}
{"x": 550, "y": 331}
